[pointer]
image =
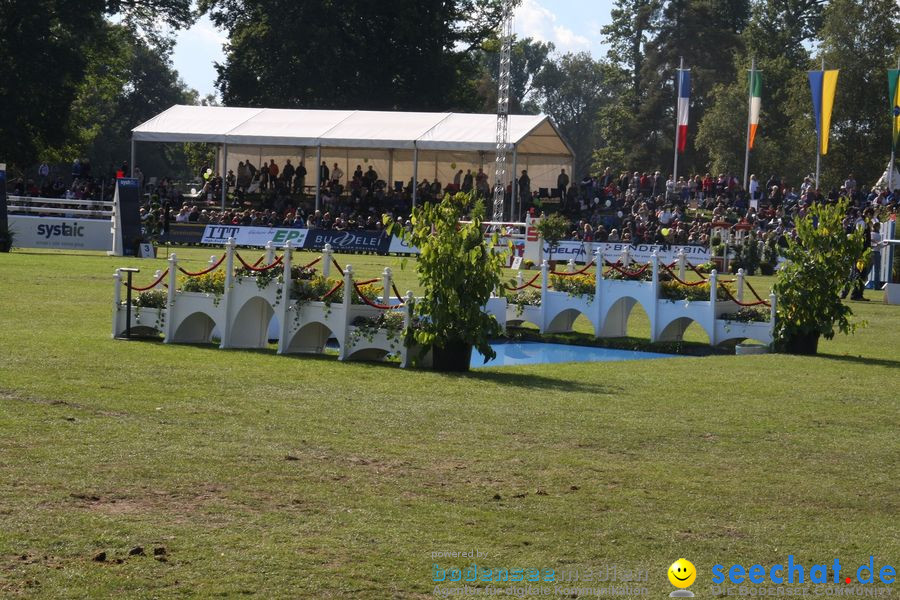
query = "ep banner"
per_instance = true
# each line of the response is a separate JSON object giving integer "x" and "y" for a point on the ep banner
{"x": 583, "y": 252}
{"x": 254, "y": 236}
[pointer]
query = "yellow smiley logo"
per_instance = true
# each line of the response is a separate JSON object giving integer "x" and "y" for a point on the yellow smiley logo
{"x": 682, "y": 573}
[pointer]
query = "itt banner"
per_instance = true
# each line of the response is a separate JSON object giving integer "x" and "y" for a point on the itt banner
{"x": 254, "y": 236}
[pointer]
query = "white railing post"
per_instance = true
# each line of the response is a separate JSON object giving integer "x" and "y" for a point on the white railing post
{"x": 407, "y": 321}
{"x": 519, "y": 279}
{"x": 270, "y": 253}
{"x": 229, "y": 263}
{"x": 348, "y": 285}
{"x": 682, "y": 260}
{"x": 326, "y": 261}
{"x": 226, "y": 300}
{"x": 772, "y": 311}
{"x": 170, "y": 300}
{"x": 545, "y": 282}
{"x": 386, "y": 286}
{"x": 626, "y": 257}
{"x": 570, "y": 266}
{"x": 117, "y": 300}
{"x": 212, "y": 260}
{"x": 348, "y": 301}
{"x": 600, "y": 261}
{"x": 654, "y": 296}
{"x": 287, "y": 283}
{"x": 713, "y": 289}
{"x": 740, "y": 285}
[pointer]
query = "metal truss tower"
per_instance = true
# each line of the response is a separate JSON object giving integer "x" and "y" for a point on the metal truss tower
{"x": 506, "y": 37}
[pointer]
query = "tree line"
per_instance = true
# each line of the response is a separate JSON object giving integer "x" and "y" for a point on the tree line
{"x": 105, "y": 66}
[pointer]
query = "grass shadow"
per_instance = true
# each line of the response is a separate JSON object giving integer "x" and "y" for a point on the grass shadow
{"x": 869, "y": 362}
{"x": 532, "y": 381}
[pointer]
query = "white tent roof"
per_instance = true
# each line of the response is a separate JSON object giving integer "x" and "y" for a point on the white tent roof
{"x": 531, "y": 134}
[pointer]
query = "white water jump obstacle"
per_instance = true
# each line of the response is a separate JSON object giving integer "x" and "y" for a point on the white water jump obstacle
{"x": 243, "y": 314}
{"x": 610, "y": 306}
{"x": 251, "y": 310}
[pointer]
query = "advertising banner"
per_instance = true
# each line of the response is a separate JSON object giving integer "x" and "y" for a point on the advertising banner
{"x": 61, "y": 233}
{"x": 184, "y": 233}
{"x": 348, "y": 241}
{"x": 583, "y": 252}
{"x": 254, "y": 236}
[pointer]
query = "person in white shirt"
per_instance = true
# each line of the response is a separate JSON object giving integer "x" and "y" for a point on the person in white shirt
{"x": 754, "y": 187}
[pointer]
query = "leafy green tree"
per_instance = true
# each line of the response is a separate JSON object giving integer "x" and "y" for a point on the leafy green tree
{"x": 458, "y": 272}
{"x": 860, "y": 140}
{"x": 528, "y": 59}
{"x": 647, "y": 44}
{"x": 571, "y": 89}
{"x": 819, "y": 263}
{"x": 404, "y": 54}
{"x": 41, "y": 100}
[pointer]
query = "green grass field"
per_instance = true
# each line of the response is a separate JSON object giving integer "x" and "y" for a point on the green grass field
{"x": 301, "y": 477}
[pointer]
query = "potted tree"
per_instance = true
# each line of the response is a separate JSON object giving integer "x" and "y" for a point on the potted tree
{"x": 553, "y": 229}
{"x": 458, "y": 271}
{"x": 819, "y": 263}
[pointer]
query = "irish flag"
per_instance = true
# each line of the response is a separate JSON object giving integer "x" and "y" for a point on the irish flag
{"x": 894, "y": 97}
{"x": 684, "y": 98}
{"x": 755, "y": 92}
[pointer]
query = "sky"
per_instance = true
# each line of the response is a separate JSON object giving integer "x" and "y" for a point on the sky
{"x": 572, "y": 26}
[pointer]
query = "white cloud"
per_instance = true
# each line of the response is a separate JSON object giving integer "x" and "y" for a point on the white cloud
{"x": 207, "y": 32}
{"x": 535, "y": 21}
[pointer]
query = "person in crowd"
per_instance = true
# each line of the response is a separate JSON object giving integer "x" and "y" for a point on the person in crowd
{"x": 562, "y": 182}
{"x": 287, "y": 175}
{"x": 300, "y": 178}
{"x": 370, "y": 178}
{"x": 468, "y": 181}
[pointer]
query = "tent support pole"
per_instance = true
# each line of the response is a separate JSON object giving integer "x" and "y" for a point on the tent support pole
{"x": 514, "y": 207}
{"x": 390, "y": 177}
{"x": 318, "y": 175}
{"x": 224, "y": 173}
{"x": 133, "y": 154}
{"x": 415, "y": 184}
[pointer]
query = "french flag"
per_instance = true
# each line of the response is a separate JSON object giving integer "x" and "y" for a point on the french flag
{"x": 684, "y": 98}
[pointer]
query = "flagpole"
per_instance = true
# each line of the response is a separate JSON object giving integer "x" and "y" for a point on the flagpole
{"x": 819, "y": 137}
{"x": 893, "y": 143}
{"x": 749, "y": 110}
{"x": 677, "y": 123}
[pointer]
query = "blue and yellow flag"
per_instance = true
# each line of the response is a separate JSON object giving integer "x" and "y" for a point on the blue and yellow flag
{"x": 823, "y": 84}
{"x": 894, "y": 99}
